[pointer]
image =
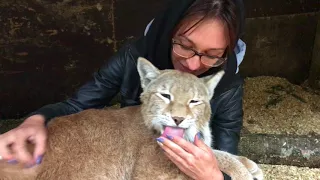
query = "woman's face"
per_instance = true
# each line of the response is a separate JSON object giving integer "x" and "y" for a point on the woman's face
{"x": 209, "y": 37}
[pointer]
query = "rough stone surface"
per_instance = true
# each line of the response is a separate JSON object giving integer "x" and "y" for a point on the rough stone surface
{"x": 314, "y": 76}
{"x": 264, "y": 8}
{"x": 274, "y": 49}
{"x": 282, "y": 149}
{"x": 132, "y": 17}
{"x": 48, "y": 49}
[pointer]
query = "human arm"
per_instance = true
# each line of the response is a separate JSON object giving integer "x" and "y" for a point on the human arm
{"x": 95, "y": 94}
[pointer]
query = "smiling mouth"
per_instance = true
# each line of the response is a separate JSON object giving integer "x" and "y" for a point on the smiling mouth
{"x": 173, "y": 131}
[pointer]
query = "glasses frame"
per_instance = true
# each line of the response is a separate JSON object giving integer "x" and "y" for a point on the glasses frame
{"x": 221, "y": 60}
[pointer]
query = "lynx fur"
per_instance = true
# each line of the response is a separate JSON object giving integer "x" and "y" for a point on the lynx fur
{"x": 120, "y": 144}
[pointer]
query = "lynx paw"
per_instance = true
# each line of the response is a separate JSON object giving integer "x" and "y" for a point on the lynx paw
{"x": 257, "y": 174}
{"x": 252, "y": 167}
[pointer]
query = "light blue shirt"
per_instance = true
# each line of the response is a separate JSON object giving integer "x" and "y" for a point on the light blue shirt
{"x": 239, "y": 50}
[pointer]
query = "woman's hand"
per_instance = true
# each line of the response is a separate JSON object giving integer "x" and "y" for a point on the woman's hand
{"x": 195, "y": 160}
{"x": 13, "y": 144}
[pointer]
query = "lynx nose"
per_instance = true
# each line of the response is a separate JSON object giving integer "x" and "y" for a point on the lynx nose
{"x": 178, "y": 120}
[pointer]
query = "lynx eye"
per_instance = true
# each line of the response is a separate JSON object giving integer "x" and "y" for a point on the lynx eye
{"x": 166, "y": 96}
{"x": 193, "y": 102}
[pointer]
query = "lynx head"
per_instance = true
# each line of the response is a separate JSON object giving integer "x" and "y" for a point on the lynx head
{"x": 175, "y": 102}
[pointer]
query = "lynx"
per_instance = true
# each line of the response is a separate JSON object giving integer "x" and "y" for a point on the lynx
{"x": 120, "y": 144}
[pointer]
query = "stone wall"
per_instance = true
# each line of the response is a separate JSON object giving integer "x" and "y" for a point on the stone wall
{"x": 280, "y": 46}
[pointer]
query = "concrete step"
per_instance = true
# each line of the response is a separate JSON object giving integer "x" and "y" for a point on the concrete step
{"x": 281, "y": 150}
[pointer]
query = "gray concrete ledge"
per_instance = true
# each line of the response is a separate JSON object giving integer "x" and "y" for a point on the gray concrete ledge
{"x": 282, "y": 149}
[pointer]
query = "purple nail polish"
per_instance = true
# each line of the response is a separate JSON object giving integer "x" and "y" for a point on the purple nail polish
{"x": 160, "y": 140}
{"x": 170, "y": 137}
{"x": 199, "y": 135}
{"x": 12, "y": 161}
{"x": 39, "y": 160}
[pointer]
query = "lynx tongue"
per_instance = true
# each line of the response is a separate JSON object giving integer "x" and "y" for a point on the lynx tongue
{"x": 173, "y": 131}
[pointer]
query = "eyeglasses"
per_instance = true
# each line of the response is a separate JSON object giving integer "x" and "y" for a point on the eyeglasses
{"x": 186, "y": 52}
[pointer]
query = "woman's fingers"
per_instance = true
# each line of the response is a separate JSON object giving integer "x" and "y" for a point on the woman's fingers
{"x": 5, "y": 141}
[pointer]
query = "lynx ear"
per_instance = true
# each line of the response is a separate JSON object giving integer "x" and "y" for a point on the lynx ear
{"x": 147, "y": 71}
{"x": 212, "y": 81}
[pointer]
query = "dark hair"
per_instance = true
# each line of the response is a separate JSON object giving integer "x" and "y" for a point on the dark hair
{"x": 224, "y": 10}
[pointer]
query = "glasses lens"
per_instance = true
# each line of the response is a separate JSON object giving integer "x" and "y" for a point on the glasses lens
{"x": 212, "y": 61}
{"x": 182, "y": 51}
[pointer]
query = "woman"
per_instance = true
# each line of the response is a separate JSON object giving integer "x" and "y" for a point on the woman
{"x": 194, "y": 36}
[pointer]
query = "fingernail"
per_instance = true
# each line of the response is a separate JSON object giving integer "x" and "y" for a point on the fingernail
{"x": 39, "y": 159}
{"x": 199, "y": 135}
{"x": 160, "y": 140}
{"x": 170, "y": 137}
{"x": 12, "y": 161}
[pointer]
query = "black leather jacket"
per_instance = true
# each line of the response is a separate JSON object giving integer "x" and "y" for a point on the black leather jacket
{"x": 119, "y": 75}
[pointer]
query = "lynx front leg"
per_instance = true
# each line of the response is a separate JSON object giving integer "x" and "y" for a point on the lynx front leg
{"x": 252, "y": 167}
{"x": 232, "y": 166}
